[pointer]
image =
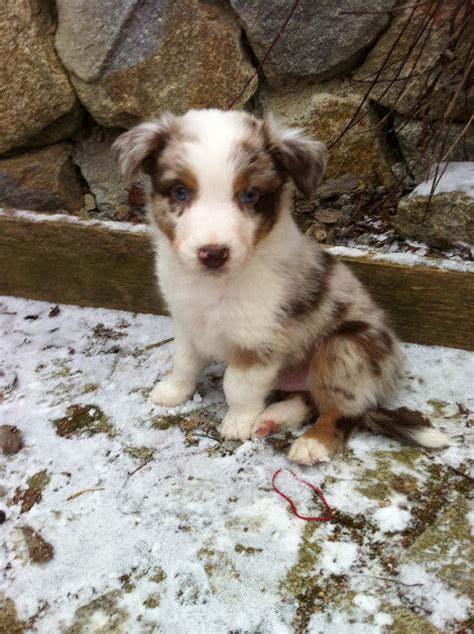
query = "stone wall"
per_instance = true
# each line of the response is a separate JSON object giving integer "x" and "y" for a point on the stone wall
{"x": 77, "y": 72}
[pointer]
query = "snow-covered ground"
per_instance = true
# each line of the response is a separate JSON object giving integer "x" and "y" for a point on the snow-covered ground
{"x": 157, "y": 525}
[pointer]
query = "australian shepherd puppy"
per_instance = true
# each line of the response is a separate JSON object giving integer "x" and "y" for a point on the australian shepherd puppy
{"x": 299, "y": 333}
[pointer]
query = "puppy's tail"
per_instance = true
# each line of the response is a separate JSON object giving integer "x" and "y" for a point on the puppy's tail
{"x": 406, "y": 425}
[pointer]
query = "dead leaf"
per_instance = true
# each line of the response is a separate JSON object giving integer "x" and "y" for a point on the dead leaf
{"x": 39, "y": 550}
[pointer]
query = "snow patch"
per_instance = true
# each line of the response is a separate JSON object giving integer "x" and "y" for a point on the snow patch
{"x": 442, "y": 603}
{"x": 393, "y": 518}
{"x": 367, "y": 603}
{"x": 337, "y": 558}
{"x": 405, "y": 258}
{"x": 36, "y": 216}
{"x": 200, "y": 510}
{"x": 455, "y": 176}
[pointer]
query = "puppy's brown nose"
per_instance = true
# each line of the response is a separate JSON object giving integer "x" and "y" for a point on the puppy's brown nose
{"x": 213, "y": 256}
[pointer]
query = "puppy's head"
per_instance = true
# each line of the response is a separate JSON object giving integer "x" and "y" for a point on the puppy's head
{"x": 220, "y": 181}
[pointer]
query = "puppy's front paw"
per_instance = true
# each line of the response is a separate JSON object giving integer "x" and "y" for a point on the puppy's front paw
{"x": 235, "y": 427}
{"x": 308, "y": 451}
{"x": 169, "y": 393}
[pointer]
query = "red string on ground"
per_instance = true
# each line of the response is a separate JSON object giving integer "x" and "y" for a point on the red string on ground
{"x": 292, "y": 504}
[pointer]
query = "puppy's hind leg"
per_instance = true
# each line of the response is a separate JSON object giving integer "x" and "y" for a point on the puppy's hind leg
{"x": 295, "y": 410}
{"x": 323, "y": 440}
{"x": 344, "y": 386}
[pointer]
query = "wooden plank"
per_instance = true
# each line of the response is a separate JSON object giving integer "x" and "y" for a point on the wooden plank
{"x": 426, "y": 305}
{"x": 88, "y": 264}
{"x": 99, "y": 264}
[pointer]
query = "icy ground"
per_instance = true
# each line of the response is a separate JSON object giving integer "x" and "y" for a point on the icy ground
{"x": 146, "y": 521}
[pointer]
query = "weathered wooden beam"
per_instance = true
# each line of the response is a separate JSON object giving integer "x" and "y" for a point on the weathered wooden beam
{"x": 426, "y": 305}
{"x": 59, "y": 259}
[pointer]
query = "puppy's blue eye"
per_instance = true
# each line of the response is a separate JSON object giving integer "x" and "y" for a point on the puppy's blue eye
{"x": 248, "y": 197}
{"x": 180, "y": 193}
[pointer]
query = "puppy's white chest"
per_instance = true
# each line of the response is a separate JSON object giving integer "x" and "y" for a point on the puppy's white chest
{"x": 219, "y": 319}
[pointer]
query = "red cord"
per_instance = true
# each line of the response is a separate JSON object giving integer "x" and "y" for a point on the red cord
{"x": 292, "y": 504}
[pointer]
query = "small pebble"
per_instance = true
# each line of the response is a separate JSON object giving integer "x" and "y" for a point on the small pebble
{"x": 10, "y": 439}
{"x": 3, "y": 517}
{"x": 3, "y": 491}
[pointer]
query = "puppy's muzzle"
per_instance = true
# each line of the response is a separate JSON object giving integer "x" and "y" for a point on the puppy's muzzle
{"x": 213, "y": 256}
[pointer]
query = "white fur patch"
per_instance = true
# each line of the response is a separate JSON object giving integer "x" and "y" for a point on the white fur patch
{"x": 432, "y": 438}
{"x": 235, "y": 427}
{"x": 308, "y": 451}
{"x": 169, "y": 393}
{"x": 286, "y": 414}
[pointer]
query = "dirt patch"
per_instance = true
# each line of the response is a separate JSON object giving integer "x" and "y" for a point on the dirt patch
{"x": 11, "y": 440}
{"x": 9, "y": 621}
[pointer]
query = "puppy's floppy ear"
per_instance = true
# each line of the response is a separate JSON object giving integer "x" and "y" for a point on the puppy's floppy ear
{"x": 139, "y": 148}
{"x": 303, "y": 158}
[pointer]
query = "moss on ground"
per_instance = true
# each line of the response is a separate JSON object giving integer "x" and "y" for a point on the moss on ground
{"x": 142, "y": 454}
{"x": 158, "y": 576}
{"x": 104, "y": 610}
{"x": 83, "y": 420}
{"x": 405, "y": 621}
{"x": 428, "y": 501}
{"x": 439, "y": 407}
{"x": 152, "y": 601}
{"x": 246, "y": 550}
{"x": 217, "y": 565}
{"x": 107, "y": 334}
{"x": 166, "y": 421}
{"x": 380, "y": 483}
{"x": 445, "y": 547}
{"x": 28, "y": 497}
{"x": 90, "y": 387}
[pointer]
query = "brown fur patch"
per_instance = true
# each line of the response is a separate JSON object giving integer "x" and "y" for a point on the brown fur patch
{"x": 245, "y": 358}
{"x": 171, "y": 134}
{"x": 347, "y": 425}
{"x": 351, "y": 328}
{"x": 339, "y": 311}
{"x": 339, "y": 390}
{"x": 188, "y": 178}
{"x": 317, "y": 285}
{"x": 256, "y": 169}
{"x": 326, "y": 432}
{"x": 268, "y": 207}
{"x": 140, "y": 147}
{"x": 332, "y": 431}
{"x": 149, "y": 165}
{"x": 376, "y": 344}
{"x": 326, "y": 377}
{"x": 300, "y": 156}
{"x": 399, "y": 424}
{"x": 159, "y": 209}
{"x": 166, "y": 177}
